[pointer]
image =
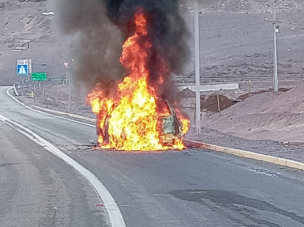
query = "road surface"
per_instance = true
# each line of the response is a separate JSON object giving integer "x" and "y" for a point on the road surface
{"x": 170, "y": 189}
{"x": 38, "y": 189}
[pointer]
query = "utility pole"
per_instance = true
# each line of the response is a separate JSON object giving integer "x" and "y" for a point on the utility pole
{"x": 275, "y": 56}
{"x": 197, "y": 68}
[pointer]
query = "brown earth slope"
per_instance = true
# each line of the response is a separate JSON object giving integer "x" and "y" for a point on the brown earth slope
{"x": 275, "y": 116}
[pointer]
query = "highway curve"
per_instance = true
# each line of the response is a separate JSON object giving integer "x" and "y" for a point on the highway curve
{"x": 194, "y": 188}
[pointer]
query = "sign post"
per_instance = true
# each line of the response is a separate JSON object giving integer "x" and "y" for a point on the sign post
{"x": 69, "y": 79}
{"x": 43, "y": 94}
{"x": 34, "y": 91}
{"x": 38, "y": 76}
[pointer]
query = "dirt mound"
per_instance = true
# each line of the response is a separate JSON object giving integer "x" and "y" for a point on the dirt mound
{"x": 215, "y": 103}
{"x": 291, "y": 102}
{"x": 210, "y": 103}
{"x": 276, "y": 116}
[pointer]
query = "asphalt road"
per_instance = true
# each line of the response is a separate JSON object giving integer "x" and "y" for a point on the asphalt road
{"x": 178, "y": 189}
{"x": 38, "y": 189}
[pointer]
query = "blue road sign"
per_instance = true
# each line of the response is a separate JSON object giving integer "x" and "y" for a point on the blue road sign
{"x": 22, "y": 70}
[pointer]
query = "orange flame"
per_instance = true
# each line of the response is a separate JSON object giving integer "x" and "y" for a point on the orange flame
{"x": 131, "y": 117}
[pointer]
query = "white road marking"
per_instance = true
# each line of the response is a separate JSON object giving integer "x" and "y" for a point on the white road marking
{"x": 7, "y": 92}
{"x": 116, "y": 218}
{"x": 48, "y": 114}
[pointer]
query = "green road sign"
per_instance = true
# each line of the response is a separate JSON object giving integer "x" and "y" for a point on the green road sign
{"x": 39, "y": 76}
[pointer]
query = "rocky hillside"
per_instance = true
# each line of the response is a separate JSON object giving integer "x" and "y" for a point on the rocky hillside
{"x": 236, "y": 39}
{"x": 27, "y": 33}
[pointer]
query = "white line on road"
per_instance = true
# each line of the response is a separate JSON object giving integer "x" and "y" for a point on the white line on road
{"x": 7, "y": 92}
{"x": 48, "y": 114}
{"x": 114, "y": 213}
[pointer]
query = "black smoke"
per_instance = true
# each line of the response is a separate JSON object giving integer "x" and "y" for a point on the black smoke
{"x": 95, "y": 43}
{"x": 100, "y": 27}
{"x": 166, "y": 30}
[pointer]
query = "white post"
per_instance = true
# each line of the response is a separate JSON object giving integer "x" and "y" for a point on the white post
{"x": 69, "y": 92}
{"x": 69, "y": 76}
{"x": 275, "y": 57}
{"x": 43, "y": 92}
{"x": 34, "y": 91}
{"x": 197, "y": 69}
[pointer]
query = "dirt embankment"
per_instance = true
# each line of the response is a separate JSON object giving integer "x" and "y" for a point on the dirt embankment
{"x": 275, "y": 116}
{"x": 209, "y": 102}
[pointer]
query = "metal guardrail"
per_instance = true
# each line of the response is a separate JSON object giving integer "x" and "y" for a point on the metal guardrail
{"x": 234, "y": 80}
{"x": 57, "y": 79}
{"x": 16, "y": 90}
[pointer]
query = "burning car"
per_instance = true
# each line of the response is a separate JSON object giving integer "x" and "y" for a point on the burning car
{"x": 170, "y": 126}
{"x": 136, "y": 116}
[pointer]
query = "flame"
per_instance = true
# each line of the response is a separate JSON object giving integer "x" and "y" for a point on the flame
{"x": 131, "y": 118}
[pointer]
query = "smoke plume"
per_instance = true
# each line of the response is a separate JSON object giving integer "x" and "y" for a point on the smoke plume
{"x": 98, "y": 29}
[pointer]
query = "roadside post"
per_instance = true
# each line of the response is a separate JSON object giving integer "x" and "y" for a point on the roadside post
{"x": 69, "y": 92}
{"x": 218, "y": 103}
{"x": 68, "y": 80}
{"x": 43, "y": 93}
{"x": 249, "y": 87}
{"x": 34, "y": 91}
{"x": 38, "y": 76}
{"x": 66, "y": 65}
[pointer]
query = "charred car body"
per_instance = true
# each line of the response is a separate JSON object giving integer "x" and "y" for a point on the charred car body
{"x": 171, "y": 128}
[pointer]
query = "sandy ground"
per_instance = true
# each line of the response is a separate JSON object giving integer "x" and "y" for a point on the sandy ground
{"x": 274, "y": 116}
